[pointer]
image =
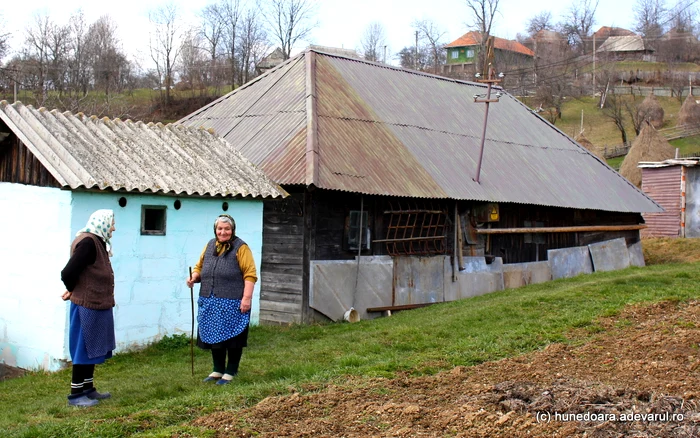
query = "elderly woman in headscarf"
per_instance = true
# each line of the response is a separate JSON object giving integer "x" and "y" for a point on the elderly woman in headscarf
{"x": 89, "y": 282}
{"x": 226, "y": 271}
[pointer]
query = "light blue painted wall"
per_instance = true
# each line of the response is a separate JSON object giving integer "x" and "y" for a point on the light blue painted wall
{"x": 152, "y": 299}
{"x": 34, "y": 247}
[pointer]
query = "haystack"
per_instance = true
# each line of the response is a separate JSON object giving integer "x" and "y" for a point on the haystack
{"x": 648, "y": 146}
{"x": 583, "y": 141}
{"x": 689, "y": 113}
{"x": 650, "y": 110}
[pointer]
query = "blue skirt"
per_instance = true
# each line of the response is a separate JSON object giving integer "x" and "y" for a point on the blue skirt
{"x": 91, "y": 336}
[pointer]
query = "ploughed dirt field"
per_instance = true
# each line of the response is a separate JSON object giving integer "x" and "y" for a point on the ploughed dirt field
{"x": 639, "y": 378}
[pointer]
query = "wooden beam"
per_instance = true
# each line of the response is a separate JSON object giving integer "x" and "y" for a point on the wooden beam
{"x": 576, "y": 229}
{"x": 396, "y": 308}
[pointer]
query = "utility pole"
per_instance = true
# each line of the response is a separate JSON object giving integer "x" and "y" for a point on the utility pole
{"x": 385, "y": 54}
{"x": 490, "y": 81}
{"x": 415, "y": 58}
{"x": 594, "y": 63}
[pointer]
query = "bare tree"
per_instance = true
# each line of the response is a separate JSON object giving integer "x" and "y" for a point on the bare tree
{"x": 253, "y": 43}
{"x": 613, "y": 109}
{"x": 231, "y": 11}
{"x": 291, "y": 21}
{"x": 192, "y": 60}
{"x": 373, "y": 41}
{"x": 432, "y": 36}
{"x": 212, "y": 33}
{"x": 683, "y": 16}
{"x": 483, "y": 15}
{"x": 165, "y": 43}
{"x": 650, "y": 17}
{"x": 411, "y": 58}
{"x": 538, "y": 22}
{"x": 4, "y": 39}
{"x": 38, "y": 49}
{"x": 105, "y": 56}
{"x": 577, "y": 23}
{"x": 78, "y": 70}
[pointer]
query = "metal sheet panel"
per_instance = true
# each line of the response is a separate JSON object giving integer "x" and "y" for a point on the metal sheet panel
{"x": 663, "y": 184}
{"x": 610, "y": 255}
{"x": 419, "y": 280}
{"x": 332, "y": 286}
{"x": 692, "y": 202}
{"x": 569, "y": 262}
{"x": 107, "y": 154}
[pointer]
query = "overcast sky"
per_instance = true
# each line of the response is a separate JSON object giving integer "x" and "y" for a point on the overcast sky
{"x": 341, "y": 22}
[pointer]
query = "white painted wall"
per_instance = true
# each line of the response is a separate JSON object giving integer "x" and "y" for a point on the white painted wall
{"x": 152, "y": 299}
{"x": 37, "y": 226}
{"x": 34, "y": 246}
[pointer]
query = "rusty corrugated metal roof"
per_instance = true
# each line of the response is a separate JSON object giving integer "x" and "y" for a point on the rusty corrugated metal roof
{"x": 111, "y": 154}
{"x": 371, "y": 128}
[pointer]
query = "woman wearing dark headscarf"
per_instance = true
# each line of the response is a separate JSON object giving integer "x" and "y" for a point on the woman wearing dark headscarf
{"x": 226, "y": 271}
{"x": 89, "y": 282}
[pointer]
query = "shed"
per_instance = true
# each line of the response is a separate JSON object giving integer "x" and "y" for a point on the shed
{"x": 630, "y": 47}
{"x": 385, "y": 210}
{"x": 675, "y": 185}
{"x": 166, "y": 184}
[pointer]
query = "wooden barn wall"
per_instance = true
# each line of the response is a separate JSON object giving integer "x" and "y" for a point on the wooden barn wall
{"x": 282, "y": 261}
{"x": 331, "y": 211}
{"x": 513, "y": 249}
{"x": 19, "y": 165}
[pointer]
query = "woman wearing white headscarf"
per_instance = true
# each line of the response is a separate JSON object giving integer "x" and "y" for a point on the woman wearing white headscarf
{"x": 89, "y": 282}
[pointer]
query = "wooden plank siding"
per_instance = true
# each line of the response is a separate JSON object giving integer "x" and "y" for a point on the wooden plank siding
{"x": 282, "y": 261}
{"x": 19, "y": 165}
{"x": 513, "y": 249}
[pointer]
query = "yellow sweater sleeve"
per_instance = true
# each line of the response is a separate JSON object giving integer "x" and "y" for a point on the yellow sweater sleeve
{"x": 245, "y": 261}
{"x": 247, "y": 264}
{"x": 200, "y": 262}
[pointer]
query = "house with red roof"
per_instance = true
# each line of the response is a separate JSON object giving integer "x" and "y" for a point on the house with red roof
{"x": 463, "y": 54}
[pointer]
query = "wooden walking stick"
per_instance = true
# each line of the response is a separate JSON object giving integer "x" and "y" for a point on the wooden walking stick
{"x": 192, "y": 333}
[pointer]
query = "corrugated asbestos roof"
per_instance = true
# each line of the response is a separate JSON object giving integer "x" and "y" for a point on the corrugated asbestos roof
{"x": 89, "y": 152}
{"x": 345, "y": 124}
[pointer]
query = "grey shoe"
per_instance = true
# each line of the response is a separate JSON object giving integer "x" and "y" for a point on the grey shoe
{"x": 210, "y": 379}
{"x": 92, "y": 394}
{"x": 82, "y": 401}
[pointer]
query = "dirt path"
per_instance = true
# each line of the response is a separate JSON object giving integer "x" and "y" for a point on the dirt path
{"x": 645, "y": 361}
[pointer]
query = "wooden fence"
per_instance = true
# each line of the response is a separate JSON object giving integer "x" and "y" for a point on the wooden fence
{"x": 668, "y": 133}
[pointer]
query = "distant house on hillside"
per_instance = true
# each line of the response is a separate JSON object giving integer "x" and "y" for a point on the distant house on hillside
{"x": 626, "y": 48}
{"x": 548, "y": 46}
{"x": 463, "y": 54}
{"x": 273, "y": 59}
{"x": 606, "y": 32}
{"x": 678, "y": 45}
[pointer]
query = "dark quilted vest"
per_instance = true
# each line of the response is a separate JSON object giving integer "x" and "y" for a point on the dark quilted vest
{"x": 95, "y": 287}
{"x": 222, "y": 274}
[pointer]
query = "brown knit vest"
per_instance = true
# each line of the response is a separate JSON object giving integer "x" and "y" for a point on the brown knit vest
{"x": 95, "y": 287}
